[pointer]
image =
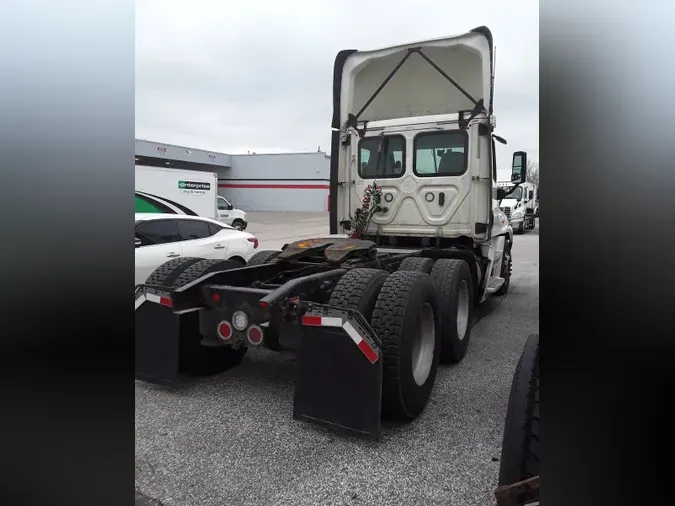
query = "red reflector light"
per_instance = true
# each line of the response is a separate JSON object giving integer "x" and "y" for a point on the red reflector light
{"x": 368, "y": 351}
{"x": 254, "y": 240}
{"x": 313, "y": 321}
{"x": 224, "y": 330}
{"x": 165, "y": 301}
{"x": 255, "y": 335}
{"x": 263, "y": 304}
{"x": 216, "y": 297}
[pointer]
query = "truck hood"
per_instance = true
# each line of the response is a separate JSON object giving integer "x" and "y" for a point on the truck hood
{"x": 467, "y": 59}
{"x": 509, "y": 203}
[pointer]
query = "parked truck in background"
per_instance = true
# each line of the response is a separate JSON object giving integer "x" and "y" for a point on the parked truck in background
{"x": 521, "y": 205}
{"x": 178, "y": 191}
{"x": 417, "y": 241}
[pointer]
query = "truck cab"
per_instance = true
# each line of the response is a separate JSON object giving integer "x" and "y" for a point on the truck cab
{"x": 520, "y": 205}
{"x": 372, "y": 315}
{"x": 227, "y": 214}
{"x": 414, "y": 130}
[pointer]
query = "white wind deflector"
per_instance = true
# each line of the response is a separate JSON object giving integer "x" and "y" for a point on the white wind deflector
{"x": 417, "y": 88}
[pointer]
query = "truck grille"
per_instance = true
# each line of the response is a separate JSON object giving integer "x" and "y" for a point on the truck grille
{"x": 507, "y": 211}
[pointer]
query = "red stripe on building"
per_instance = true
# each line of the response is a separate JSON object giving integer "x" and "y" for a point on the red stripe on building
{"x": 272, "y": 186}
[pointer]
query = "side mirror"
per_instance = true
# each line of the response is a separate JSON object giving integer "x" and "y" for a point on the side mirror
{"x": 501, "y": 193}
{"x": 138, "y": 242}
{"x": 518, "y": 169}
{"x": 230, "y": 207}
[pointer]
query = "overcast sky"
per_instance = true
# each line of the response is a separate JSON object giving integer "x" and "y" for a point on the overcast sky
{"x": 238, "y": 76}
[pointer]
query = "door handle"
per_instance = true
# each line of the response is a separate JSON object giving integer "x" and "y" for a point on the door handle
{"x": 172, "y": 255}
{"x": 218, "y": 246}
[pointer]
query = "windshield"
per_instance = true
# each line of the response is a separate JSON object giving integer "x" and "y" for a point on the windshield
{"x": 223, "y": 203}
{"x": 517, "y": 194}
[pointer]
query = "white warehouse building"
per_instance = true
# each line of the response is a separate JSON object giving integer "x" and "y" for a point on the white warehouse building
{"x": 253, "y": 182}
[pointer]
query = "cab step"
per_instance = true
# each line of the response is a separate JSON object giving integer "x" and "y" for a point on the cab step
{"x": 494, "y": 284}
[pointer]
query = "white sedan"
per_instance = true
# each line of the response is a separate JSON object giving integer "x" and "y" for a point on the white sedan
{"x": 162, "y": 237}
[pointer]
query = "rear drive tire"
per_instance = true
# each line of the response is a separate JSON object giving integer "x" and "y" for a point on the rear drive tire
{"x": 358, "y": 289}
{"x": 165, "y": 274}
{"x": 406, "y": 320}
{"x": 454, "y": 284}
{"x": 262, "y": 257}
{"x": 204, "y": 267}
{"x": 416, "y": 264}
{"x": 195, "y": 359}
{"x": 520, "y": 446}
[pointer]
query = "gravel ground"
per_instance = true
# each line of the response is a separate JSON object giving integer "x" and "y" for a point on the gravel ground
{"x": 232, "y": 440}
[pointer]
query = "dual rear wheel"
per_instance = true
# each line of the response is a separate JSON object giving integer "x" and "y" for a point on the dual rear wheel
{"x": 421, "y": 314}
{"x": 422, "y": 317}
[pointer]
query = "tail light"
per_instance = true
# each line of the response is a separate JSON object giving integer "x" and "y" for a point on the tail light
{"x": 254, "y": 335}
{"x": 254, "y": 240}
{"x": 224, "y": 330}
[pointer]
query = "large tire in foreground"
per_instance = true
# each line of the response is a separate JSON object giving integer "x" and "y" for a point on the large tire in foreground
{"x": 520, "y": 446}
{"x": 358, "y": 289}
{"x": 416, "y": 264}
{"x": 168, "y": 272}
{"x": 406, "y": 321}
{"x": 262, "y": 257}
{"x": 195, "y": 359}
{"x": 454, "y": 284}
{"x": 507, "y": 265}
{"x": 204, "y": 267}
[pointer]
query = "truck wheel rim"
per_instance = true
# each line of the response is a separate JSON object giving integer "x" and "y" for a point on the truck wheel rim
{"x": 462, "y": 309}
{"x": 424, "y": 344}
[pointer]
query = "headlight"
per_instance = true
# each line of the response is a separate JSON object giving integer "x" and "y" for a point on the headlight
{"x": 517, "y": 215}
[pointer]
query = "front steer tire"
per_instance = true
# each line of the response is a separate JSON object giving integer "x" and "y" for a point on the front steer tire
{"x": 405, "y": 299}
{"x": 520, "y": 445}
{"x": 455, "y": 287}
{"x": 195, "y": 359}
{"x": 507, "y": 268}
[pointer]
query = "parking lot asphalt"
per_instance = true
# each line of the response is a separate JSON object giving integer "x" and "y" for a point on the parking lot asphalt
{"x": 232, "y": 440}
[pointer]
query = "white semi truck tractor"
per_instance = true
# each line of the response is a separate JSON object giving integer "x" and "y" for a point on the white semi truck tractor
{"x": 417, "y": 240}
{"x": 521, "y": 205}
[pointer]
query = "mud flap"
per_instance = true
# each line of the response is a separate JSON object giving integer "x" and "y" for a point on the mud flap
{"x": 338, "y": 384}
{"x": 159, "y": 331}
{"x": 157, "y": 343}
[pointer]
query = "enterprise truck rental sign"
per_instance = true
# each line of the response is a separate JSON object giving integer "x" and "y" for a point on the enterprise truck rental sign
{"x": 194, "y": 187}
